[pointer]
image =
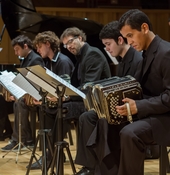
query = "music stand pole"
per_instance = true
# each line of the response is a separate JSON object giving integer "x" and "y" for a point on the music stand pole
{"x": 43, "y": 134}
{"x": 60, "y": 93}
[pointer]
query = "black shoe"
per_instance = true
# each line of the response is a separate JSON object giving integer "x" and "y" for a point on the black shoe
{"x": 8, "y": 147}
{"x": 12, "y": 146}
{"x": 38, "y": 165}
{"x": 85, "y": 171}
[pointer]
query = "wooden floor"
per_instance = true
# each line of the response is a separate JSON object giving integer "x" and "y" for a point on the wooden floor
{"x": 9, "y": 166}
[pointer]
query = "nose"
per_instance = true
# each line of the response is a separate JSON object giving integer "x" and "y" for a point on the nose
{"x": 129, "y": 41}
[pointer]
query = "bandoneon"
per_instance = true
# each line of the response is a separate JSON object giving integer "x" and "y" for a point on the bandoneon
{"x": 104, "y": 95}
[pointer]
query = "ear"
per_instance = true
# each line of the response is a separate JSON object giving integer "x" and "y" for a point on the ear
{"x": 80, "y": 38}
{"x": 25, "y": 46}
{"x": 48, "y": 44}
{"x": 145, "y": 28}
{"x": 120, "y": 40}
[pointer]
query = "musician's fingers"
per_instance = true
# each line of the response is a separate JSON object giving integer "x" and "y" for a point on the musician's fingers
{"x": 122, "y": 110}
{"x": 126, "y": 100}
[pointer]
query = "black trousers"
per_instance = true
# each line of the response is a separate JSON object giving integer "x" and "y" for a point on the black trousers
{"x": 20, "y": 108}
{"x": 87, "y": 123}
{"x": 134, "y": 138}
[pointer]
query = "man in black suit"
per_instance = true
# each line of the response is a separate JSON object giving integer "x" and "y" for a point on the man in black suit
{"x": 91, "y": 65}
{"x": 23, "y": 48}
{"x": 128, "y": 59}
{"x": 153, "y": 111}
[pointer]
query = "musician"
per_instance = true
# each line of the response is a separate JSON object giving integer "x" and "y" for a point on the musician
{"x": 108, "y": 138}
{"x": 154, "y": 110}
{"x": 91, "y": 65}
{"x": 48, "y": 46}
{"x": 23, "y": 47}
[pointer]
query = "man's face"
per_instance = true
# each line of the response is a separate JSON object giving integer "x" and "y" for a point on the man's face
{"x": 73, "y": 44}
{"x": 112, "y": 47}
{"x": 134, "y": 37}
{"x": 43, "y": 49}
{"x": 22, "y": 52}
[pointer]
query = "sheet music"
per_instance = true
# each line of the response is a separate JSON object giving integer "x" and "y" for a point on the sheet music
{"x": 62, "y": 81}
{"x": 10, "y": 75}
{"x": 49, "y": 81}
{"x": 15, "y": 90}
{"x": 42, "y": 83}
{"x": 25, "y": 85}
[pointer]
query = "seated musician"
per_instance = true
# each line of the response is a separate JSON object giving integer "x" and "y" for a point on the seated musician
{"x": 153, "y": 111}
{"x": 91, "y": 65}
{"x": 128, "y": 59}
{"x": 23, "y": 47}
{"x": 48, "y": 46}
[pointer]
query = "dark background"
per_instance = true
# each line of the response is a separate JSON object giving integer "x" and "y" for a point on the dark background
{"x": 144, "y": 4}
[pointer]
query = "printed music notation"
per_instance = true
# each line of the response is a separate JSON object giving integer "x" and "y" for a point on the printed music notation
{"x": 49, "y": 81}
{"x": 65, "y": 83}
{"x": 6, "y": 82}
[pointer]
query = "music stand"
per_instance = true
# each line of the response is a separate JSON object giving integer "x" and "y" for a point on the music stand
{"x": 19, "y": 145}
{"x": 56, "y": 86}
{"x": 10, "y": 82}
{"x": 44, "y": 133}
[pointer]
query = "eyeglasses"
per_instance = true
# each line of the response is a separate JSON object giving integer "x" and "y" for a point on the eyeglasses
{"x": 70, "y": 41}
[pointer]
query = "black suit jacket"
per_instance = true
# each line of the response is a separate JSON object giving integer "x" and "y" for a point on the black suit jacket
{"x": 129, "y": 63}
{"x": 155, "y": 81}
{"x": 91, "y": 65}
{"x": 32, "y": 59}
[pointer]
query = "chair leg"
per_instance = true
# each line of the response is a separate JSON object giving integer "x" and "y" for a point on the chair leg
{"x": 163, "y": 160}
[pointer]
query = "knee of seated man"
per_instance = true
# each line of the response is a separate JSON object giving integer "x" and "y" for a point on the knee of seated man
{"x": 88, "y": 116}
{"x": 126, "y": 132}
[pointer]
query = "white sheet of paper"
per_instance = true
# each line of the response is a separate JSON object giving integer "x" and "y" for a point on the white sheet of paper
{"x": 25, "y": 85}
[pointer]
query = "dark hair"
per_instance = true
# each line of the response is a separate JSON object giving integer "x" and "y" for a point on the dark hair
{"x": 135, "y": 18}
{"x": 49, "y": 36}
{"x": 21, "y": 40}
{"x": 111, "y": 31}
{"x": 73, "y": 31}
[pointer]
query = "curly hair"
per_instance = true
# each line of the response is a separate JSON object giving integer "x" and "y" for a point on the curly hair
{"x": 48, "y": 36}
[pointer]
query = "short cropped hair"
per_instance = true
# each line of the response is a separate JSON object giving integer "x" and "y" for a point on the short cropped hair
{"x": 111, "y": 31}
{"x": 21, "y": 40}
{"x": 135, "y": 18}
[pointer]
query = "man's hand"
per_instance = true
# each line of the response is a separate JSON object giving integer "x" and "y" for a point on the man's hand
{"x": 11, "y": 98}
{"x": 122, "y": 110}
{"x": 36, "y": 102}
